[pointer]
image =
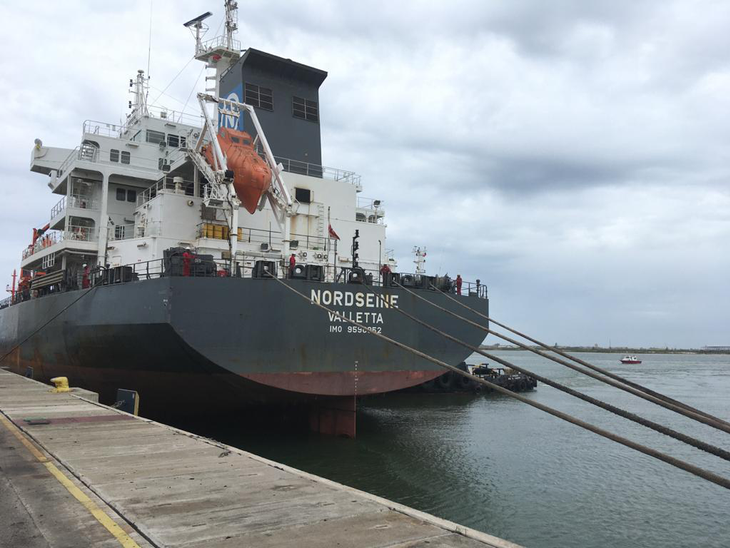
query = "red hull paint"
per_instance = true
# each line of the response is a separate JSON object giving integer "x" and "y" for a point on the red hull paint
{"x": 344, "y": 383}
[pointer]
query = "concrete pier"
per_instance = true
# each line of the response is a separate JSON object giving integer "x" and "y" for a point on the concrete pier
{"x": 77, "y": 473}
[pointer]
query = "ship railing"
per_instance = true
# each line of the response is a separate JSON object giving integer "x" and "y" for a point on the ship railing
{"x": 48, "y": 239}
{"x": 121, "y": 232}
{"x": 58, "y": 208}
{"x": 218, "y": 42}
{"x": 80, "y": 233}
{"x": 70, "y": 159}
{"x": 176, "y": 116}
{"x": 417, "y": 281}
{"x": 316, "y": 170}
{"x": 190, "y": 267}
{"x": 78, "y": 201}
{"x": 105, "y": 129}
{"x": 165, "y": 184}
{"x": 267, "y": 240}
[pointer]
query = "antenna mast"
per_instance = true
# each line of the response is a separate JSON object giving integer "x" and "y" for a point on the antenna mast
{"x": 420, "y": 259}
{"x": 138, "y": 88}
{"x": 219, "y": 53}
{"x": 231, "y": 23}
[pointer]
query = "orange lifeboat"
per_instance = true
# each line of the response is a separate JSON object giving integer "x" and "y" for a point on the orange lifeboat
{"x": 251, "y": 175}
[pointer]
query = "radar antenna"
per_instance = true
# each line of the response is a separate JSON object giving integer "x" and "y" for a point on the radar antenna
{"x": 198, "y": 28}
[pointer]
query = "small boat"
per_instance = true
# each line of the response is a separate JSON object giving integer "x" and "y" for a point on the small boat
{"x": 630, "y": 359}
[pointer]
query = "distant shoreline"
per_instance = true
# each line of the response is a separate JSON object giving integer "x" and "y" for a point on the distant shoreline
{"x": 612, "y": 350}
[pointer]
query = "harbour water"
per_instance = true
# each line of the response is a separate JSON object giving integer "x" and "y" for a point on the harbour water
{"x": 497, "y": 465}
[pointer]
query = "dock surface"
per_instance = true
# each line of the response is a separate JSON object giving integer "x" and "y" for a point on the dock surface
{"x": 77, "y": 473}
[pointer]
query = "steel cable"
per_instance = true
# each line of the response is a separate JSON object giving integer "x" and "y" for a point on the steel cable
{"x": 710, "y": 421}
{"x": 584, "y": 363}
{"x": 692, "y": 469}
{"x": 49, "y": 321}
{"x": 717, "y": 451}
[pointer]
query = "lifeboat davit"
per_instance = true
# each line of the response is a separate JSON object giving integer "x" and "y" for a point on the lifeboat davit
{"x": 251, "y": 175}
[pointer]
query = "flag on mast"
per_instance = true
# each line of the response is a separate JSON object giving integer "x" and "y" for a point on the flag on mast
{"x": 332, "y": 233}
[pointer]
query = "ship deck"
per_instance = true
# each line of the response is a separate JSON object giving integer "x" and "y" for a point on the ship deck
{"x": 75, "y": 472}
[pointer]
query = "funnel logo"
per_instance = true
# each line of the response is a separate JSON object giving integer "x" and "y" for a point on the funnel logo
{"x": 228, "y": 120}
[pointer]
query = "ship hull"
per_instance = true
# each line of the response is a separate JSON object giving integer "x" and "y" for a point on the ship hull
{"x": 212, "y": 344}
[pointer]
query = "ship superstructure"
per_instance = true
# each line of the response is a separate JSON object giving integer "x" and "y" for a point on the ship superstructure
{"x": 158, "y": 258}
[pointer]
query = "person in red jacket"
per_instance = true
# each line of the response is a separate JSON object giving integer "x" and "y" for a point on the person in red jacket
{"x": 458, "y": 284}
{"x": 385, "y": 273}
{"x": 187, "y": 258}
{"x": 292, "y": 264}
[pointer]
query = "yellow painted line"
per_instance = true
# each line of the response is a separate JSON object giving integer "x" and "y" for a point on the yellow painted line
{"x": 25, "y": 441}
{"x": 102, "y": 517}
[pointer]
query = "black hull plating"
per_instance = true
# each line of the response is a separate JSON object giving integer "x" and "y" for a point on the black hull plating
{"x": 232, "y": 341}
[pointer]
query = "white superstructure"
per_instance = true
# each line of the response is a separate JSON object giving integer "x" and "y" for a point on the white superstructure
{"x": 128, "y": 192}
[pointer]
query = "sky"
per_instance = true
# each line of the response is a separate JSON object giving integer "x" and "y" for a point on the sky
{"x": 574, "y": 156}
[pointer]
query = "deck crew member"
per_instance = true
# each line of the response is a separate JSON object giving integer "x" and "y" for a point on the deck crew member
{"x": 85, "y": 282}
{"x": 385, "y": 273}
{"x": 458, "y": 284}
{"x": 187, "y": 257}
{"x": 292, "y": 264}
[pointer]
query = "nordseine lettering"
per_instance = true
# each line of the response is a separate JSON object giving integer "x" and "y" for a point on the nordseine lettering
{"x": 327, "y": 297}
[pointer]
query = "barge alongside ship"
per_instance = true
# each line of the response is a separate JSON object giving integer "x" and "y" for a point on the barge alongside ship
{"x": 147, "y": 278}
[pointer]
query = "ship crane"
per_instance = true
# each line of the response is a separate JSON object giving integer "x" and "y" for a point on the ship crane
{"x": 220, "y": 178}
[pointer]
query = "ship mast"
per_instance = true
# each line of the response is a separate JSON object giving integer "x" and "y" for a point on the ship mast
{"x": 219, "y": 53}
{"x": 420, "y": 259}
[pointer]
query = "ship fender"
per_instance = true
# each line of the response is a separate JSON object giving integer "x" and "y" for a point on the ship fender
{"x": 445, "y": 381}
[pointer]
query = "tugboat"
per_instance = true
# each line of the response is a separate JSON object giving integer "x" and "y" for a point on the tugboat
{"x": 630, "y": 360}
{"x": 150, "y": 276}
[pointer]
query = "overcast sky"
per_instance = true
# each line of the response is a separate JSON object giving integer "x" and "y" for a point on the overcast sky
{"x": 572, "y": 155}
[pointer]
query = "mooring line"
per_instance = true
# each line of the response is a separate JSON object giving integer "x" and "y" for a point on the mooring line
{"x": 692, "y": 469}
{"x": 717, "y": 451}
{"x": 583, "y": 362}
{"x": 21, "y": 343}
{"x": 713, "y": 422}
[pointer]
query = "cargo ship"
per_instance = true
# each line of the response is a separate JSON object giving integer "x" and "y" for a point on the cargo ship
{"x": 155, "y": 272}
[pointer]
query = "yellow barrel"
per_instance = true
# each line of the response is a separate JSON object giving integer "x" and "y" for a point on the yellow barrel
{"x": 218, "y": 232}
{"x": 240, "y": 234}
{"x": 226, "y": 231}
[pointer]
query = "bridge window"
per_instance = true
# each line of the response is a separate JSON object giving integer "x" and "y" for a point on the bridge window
{"x": 305, "y": 109}
{"x": 258, "y": 96}
{"x": 173, "y": 140}
{"x": 113, "y": 155}
{"x": 131, "y": 195}
{"x": 121, "y": 194}
{"x": 126, "y": 157}
{"x": 155, "y": 136}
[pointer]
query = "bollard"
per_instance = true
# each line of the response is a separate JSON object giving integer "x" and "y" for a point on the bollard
{"x": 61, "y": 384}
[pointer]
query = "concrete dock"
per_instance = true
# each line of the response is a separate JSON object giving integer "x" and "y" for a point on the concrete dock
{"x": 77, "y": 473}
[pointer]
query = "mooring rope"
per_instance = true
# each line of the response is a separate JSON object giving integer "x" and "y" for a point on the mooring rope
{"x": 582, "y": 362}
{"x": 717, "y": 451}
{"x": 713, "y": 421}
{"x": 49, "y": 321}
{"x": 687, "y": 467}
